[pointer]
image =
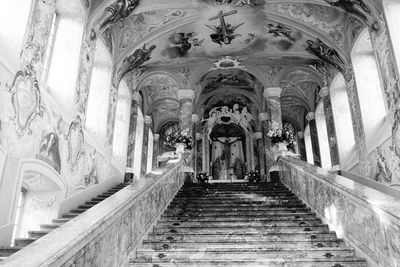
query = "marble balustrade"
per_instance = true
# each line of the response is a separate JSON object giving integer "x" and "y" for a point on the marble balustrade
{"x": 366, "y": 218}
{"x": 109, "y": 233}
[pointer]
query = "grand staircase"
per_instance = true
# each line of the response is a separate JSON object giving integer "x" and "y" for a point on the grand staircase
{"x": 242, "y": 225}
{"x": 20, "y": 243}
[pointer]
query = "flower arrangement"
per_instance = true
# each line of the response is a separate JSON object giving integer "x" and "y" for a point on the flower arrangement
{"x": 178, "y": 136}
{"x": 202, "y": 177}
{"x": 280, "y": 135}
{"x": 253, "y": 176}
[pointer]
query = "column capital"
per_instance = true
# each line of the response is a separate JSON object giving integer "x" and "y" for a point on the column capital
{"x": 136, "y": 96}
{"x": 324, "y": 91}
{"x": 263, "y": 116}
{"x": 186, "y": 94}
{"x": 195, "y": 118}
{"x": 156, "y": 137}
{"x": 272, "y": 92}
{"x": 257, "y": 135}
{"x": 199, "y": 136}
{"x": 147, "y": 120}
{"x": 310, "y": 116}
{"x": 300, "y": 135}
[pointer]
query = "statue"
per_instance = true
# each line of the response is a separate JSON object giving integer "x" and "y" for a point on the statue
{"x": 216, "y": 167}
{"x": 48, "y": 151}
{"x": 119, "y": 10}
{"x": 325, "y": 53}
{"x": 226, "y": 152}
{"x": 238, "y": 168}
{"x": 134, "y": 61}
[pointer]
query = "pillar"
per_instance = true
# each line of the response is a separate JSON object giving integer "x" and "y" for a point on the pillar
{"x": 330, "y": 125}
{"x": 273, "y": 98}
{"x": 156, "y": 149}
{"x": 186, "y": 108}
{"x": 301, "y": 145}
{"x": 147, "y": 125}
{"x": 135, "y": 105}
{"x": 358, "y": 125}
{"x": 258, "y": 136}
{"x": 195, "y": 121}
{"x": 310, "y": 117}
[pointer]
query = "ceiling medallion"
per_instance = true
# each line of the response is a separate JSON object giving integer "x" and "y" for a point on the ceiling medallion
{"x": 226, "y": 63}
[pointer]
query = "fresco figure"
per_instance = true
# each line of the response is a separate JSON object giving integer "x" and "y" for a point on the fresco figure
{"x": 325, "y": 53}
{"x": 49, "y": 151}
{"x": 119, "y": 10}
{"x": 211, "y": 121}
{"x": 280, "y": 30}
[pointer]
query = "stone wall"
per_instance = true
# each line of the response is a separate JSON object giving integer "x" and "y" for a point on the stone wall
{"x": 368, "y": 219}
{"x": 109, "y": 233}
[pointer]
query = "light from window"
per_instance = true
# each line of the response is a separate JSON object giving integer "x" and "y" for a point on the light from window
{"x": 372, "y": 104}
{"x": 392, "y": 11}
{"x": 342, "y": 117}
{"x": 150, "y": 152}
{"x": 100, "y": 83}
{"x": 137, "y": 160}
{"x": 323, "y": 139}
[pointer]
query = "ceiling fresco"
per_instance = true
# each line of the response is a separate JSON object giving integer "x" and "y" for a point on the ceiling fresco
{"x": 267, "y": 37}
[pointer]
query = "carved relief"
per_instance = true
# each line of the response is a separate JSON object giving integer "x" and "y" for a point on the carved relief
{"x": 26, "y": 101}
{"x": 226, "y": 63}
{"x": 382, "y": 171}
{"x": 42, "y": 203}
{"x": 75, "y": 138}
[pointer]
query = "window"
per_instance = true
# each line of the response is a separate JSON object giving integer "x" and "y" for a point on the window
{"x": 342, "y": 117}
{"x": 122, "y": 120}
{"x": 308, "y": 143}
{"x": 323, "y": 139}
{"x": 372, "y": 103}
{"x": 392, "y": 11}
{"x": 62, "y": 57}
{"x": 100, "y": 83}
{"x": 150, "y": 152}
{"x": 18, "y": 230}
{"x": 14, "y": 16}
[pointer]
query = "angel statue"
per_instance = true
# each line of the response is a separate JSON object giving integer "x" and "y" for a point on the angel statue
{"x": 211, "y": 121}
{"x": 119, "y": 10}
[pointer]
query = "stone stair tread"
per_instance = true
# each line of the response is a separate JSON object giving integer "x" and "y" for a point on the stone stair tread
{"x": 244, "y": 223}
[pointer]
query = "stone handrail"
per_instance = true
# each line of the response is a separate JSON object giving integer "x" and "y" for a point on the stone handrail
{"x": 109, "y": 233}
{"x": 366, "y": 218}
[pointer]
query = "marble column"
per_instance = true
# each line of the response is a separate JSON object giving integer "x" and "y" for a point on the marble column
{"x": 330, "y": 126}
{"x": 302, "y": 146}
{"x": 186, "y": 108}
{"x": 135, "y": 105}
{"x": 195, "y": 121}
{"x": 145, "y": 146}
{"x": 273, "y": 98}
{"x": 310, "y": 117}
{"x": 261, "y": 152}
{"x": 156, "y": 149}
{"x": 358, "y": 125}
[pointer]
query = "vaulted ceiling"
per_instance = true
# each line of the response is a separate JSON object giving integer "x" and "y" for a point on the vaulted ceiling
{"x": 266, "y": 40}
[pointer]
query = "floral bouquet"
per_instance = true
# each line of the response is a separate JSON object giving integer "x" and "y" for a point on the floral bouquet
{"x": 202, "y": 177}
{"x": 253, "y": 176}
{"x": 178, "y": 136}
{"x": 279, "y": 135}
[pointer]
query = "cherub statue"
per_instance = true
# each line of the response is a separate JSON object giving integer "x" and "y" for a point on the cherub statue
{"x": 119, "y": 10}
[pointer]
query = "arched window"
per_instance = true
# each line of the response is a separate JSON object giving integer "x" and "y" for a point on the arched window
{"x": 342, "y": 117}
{"x": 372, "y": 103}
{"x": 392, "y": 12}
{"x": 137, "y": 161}
{"x": 61, "y": 64}
{"x": 100, "y": 83}
{"x": 323, "y": 140}
{"x": 14, "y": 16}
{"x": 121, "y": 127}
{"x": 308, "y": 143}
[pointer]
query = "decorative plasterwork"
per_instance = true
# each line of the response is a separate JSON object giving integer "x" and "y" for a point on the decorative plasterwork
{"x": 26, "y": 101}
{"x": 156, "y": 137}
{"x": 147, "y": 120}
{"x": 310, "y": 116}
{"x": 195, "y": 118}
{"x": 263, "y": 116}
{"x": 185, "y": 94}
{"x": 225, "y": 115}
{"x": 76, "y": 140}
{"x": 272, "y": 92}
{"x": 226, "y": 63}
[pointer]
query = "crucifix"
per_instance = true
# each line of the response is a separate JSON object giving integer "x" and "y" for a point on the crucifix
{"x": 221, "y": 16}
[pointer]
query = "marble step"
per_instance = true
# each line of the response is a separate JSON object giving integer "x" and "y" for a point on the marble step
{"x": 61, "y": 220}
{"x": 247, "y": 254}
{"x": 291, "y": 216}
{"x": 283, "y": 208}
{"x": 243, "y": 223}
{"x": 98, "y": 199}
{"x": 38, "y": 234}
{"x": 50, "y": 226}
{"x": 238, "y": 237}
{"x": 237, "y": 193}
{"x": 86, "y": 206}
{"x": 78, "y": 210}
{"x": 8, "y": 251}
{"x": 234, "y": 213}
{"x": 166, "y": 246}
{"x": 240, "y": 229}
{"x": 23, "y": 242}
{"x": 70, "y": 215}
{"x": 352, "y": 262}
{"x": 92, "y": 202}
{"x": 237, "y": 201}
{"x": 233, "y": 205}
